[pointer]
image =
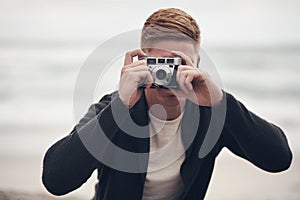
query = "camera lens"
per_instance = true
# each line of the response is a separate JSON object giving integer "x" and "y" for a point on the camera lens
{"x": 161, "y": 74}
{"x": 151, "y": 61}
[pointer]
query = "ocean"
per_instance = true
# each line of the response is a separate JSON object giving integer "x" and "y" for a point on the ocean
{"x": 37, "y": 83}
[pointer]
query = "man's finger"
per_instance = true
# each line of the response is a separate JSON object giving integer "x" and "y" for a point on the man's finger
{"x": 136, "y": 66}
{"x": 181, "y": 82}
{"x": 131, "y": 54}
{"x": 143, "y": 77}
{"x": 188, "y": 82}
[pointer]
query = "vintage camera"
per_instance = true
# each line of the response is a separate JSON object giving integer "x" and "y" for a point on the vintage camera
{"x": 163, "y": 70}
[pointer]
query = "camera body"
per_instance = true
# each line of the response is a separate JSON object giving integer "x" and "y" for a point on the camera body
{"x": 163, "y": 70}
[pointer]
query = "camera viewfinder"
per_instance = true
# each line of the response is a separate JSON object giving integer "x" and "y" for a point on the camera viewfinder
{"x": 151, "y": 61}
{"x": 161, "y": 60}
{"x": 170, "y": 60}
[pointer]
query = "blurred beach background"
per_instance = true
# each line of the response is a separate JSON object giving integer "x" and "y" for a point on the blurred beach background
{"x": 43, "y": 45}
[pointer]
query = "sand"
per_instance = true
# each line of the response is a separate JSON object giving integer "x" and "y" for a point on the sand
{"x": 14, "y": 195}
{"x": 233, "y": 178}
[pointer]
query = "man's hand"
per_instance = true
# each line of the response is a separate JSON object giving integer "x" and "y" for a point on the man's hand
{"x": 133, "y": 74}
{"x": 196, "y": 84}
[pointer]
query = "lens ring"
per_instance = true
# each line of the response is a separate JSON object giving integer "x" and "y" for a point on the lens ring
{"x": 161, "y": 74}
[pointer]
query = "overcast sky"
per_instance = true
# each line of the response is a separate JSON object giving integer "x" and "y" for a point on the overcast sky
{"x": 237, "y": 22}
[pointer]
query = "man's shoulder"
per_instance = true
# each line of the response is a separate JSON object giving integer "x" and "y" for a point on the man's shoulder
{"x": 108, "y": 97}
{"x": 102, "y": 103}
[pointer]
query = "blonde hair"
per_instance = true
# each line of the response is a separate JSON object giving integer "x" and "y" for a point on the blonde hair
{"x": 170, "y": 24}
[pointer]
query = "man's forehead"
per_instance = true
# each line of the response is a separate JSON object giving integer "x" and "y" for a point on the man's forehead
{"x": 164, "y": 48}
{"x": 173, "y": 45}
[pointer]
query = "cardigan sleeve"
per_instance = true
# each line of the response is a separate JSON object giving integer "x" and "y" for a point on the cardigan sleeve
{"x": 255, "y": 139}
{"x": 68, "y": 164}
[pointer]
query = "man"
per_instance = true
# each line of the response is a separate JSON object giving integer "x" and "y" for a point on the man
{"x": 170, "y": 116}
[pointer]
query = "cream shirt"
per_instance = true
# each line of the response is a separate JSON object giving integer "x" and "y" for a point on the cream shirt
{"x": 163, "y": 180}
